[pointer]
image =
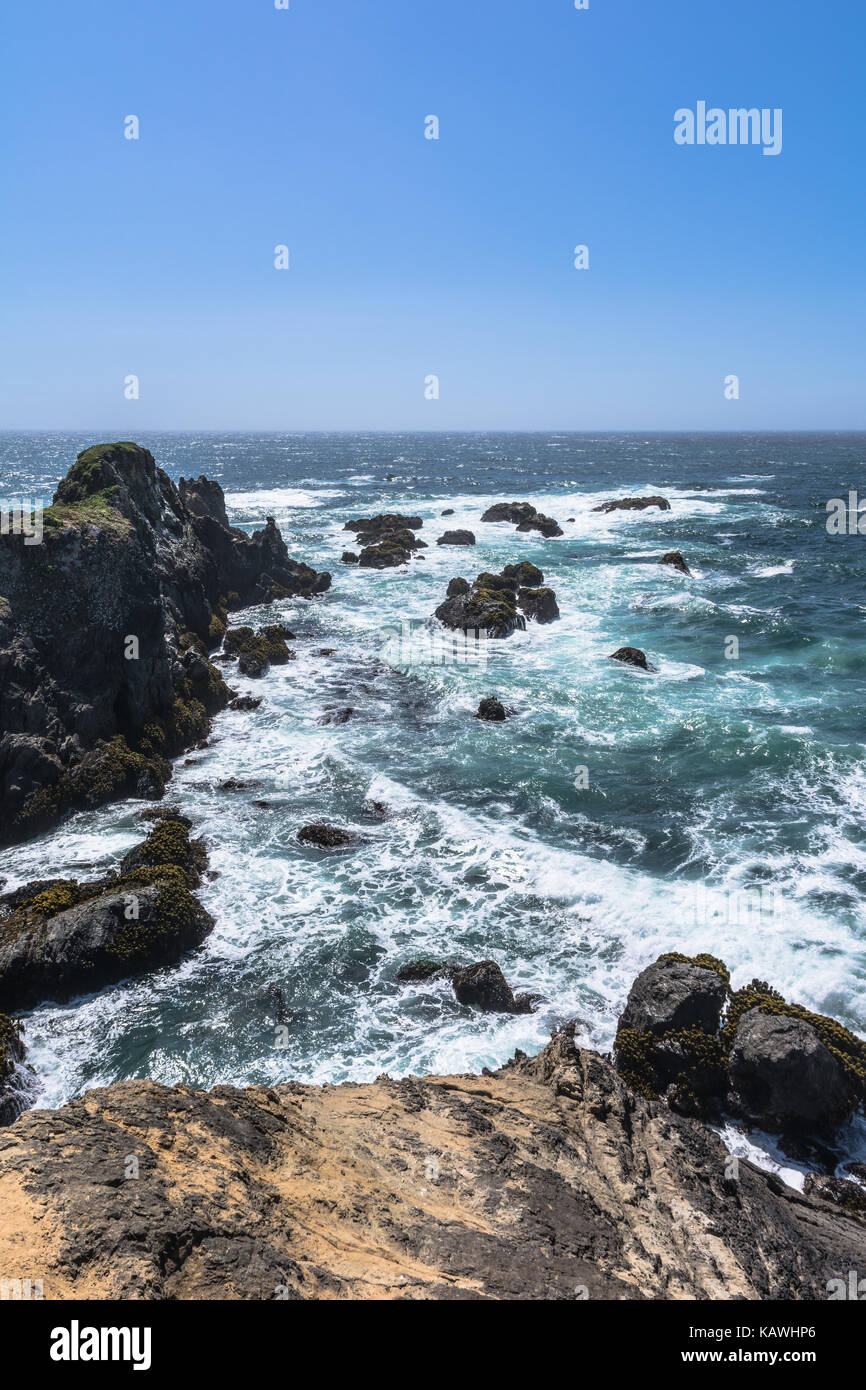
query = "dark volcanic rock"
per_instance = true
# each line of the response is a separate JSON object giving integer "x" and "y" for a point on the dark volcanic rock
{"x": 373, "y": 528}
{"x": 456, "y": 538}
{"x": 14, "y": 1088}
{"x": 539, "y": 604}
{"x": 349, "y": 557}
{"x": 619, "y": 1197}
{"x": 417, "y": 971}
{"x": 327, "y": 836}
{"x": 483, "y": 986}
{"x": 105, "y": 630}
{"x": 783, "y": 1076}
{"x": 675, "y": 559}
{"x": 456, "y": 587}
{"x": 491, "y": 709}
{"x": 336, "y": 716}
{"x": 527, "y": 575}
{"x": 245, "y": 702}
{"x": 545, "y": 524}
{"x": 509, "y": 511}
{"x": 489, "y": 606}
{"x": 256, "y": 651}
{"x": 673, "y": 994}
{"x": 843, "y": 1193}
{"x": 77, "y": 937}
{"x": 634, "y": 504}
{"x": 632, "y": 656}
{"x": 449, "y": 511}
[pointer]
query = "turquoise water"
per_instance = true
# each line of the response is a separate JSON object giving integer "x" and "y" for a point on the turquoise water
{"x": 724, "y": 809}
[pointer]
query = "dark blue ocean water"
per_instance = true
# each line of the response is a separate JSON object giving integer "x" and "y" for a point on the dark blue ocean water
{"x": 724, "y": 805}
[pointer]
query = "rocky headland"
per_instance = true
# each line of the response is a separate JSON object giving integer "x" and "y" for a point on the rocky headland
{"x": 106, "y": 629}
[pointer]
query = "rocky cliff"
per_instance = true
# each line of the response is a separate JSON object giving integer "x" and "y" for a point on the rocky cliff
{"x": 548, "y": 1179}
{"x": 105, "y": 628}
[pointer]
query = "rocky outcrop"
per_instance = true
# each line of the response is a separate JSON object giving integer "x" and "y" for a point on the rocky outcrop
{"x": 538, "y": 604}
{"x": 676, "y": 561}
{"x": 63, "y": 938}
{"x": 388, "y": 539}
{"x": 783, "y": 1075}
{"x": 489, "y": 606}
{"x": 324, "y": 836}
{"x": 528, "y": 576}
{"x": 256, "y": 651}
{"x": 515, "y": 512}
{"x": 491, "y": 709}
{"x": 524, "y": 516}
{"x": 749, "y": 1054}
{"x": 105, "y": 629}
{"x": 545, "y": 1180}
{"x": 544, "y": 524}
{"x": 482, "y": 985}
{"x": 632, "y": 656}
{"x": 456, "y": 538}
{"x": 15, "y": 1078}
{"x": 634, "y": 504}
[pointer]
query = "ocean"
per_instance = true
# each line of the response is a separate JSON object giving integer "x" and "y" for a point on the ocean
{"x": 716, "y": 804}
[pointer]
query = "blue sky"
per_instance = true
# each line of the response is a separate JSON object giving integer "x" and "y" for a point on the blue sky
{"x": 412, "y": 257}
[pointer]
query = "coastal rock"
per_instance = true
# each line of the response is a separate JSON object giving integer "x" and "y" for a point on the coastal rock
{"x": 526, "y": 575}
{"x": 449, "y": 511}
{"x": 632, "y": 656}
{"x": 491, "y": 709}
{"x": 545, "y": 524}
{"x": 456, "y": 538}
{"x": 105, "y": 630}
{"x": 483, "y": 986}
{"x": 490, "y": 606}
{"x": 245, "y": 702}
{"x": 634, "y": 504}
{"x": 336, "y": 716}
{"x": 417, "y": 971}
{"x": 552, "y": 1182}
{"x": 539, "y": 604}
{"x": 14, "y": 1078}
{"x": 456, "y": 587}
{"x": 327, "y": 836}
{"x": 783, "y": 1076}
{"x": 75, "y": 937}
{"x": 672, "y": 994}
{"x": 675, "y": 559}
{"x": 256, "y": 651}
{"x": 847, "y": 1195}
{"x": 349, "y": 557}
{"x": 514, "y": 512}
{"x": 371, "y": 528}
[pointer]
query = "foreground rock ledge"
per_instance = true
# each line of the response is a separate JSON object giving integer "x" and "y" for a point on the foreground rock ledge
{"x": 545, "y": 1180}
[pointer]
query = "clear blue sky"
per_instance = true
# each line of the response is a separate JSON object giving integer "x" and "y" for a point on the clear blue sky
{"x": 410, "y": 257}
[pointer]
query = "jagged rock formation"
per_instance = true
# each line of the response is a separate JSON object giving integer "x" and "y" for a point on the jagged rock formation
{"x": 685, "y": 1035}
{"x": 388, "y": 540}
{"x": 676, "y": 561}
{"x": 524, "y": 516}
{"x": 105, "y": 629}
{"x": 547, "y": 1179}
{"x": 634, "y": 504}
{"x": 61, "y": 938}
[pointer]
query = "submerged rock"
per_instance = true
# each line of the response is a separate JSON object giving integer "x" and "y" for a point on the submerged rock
{"x": 634, "y": 504}
{"x": 449, "y": 511}
{"x": 491, "y": 709}
{"x": 456, "y": 538}
{"x": 675, "y": 559}
{"x": 632, "y": 656}
{"x": 336, "y": 716}
{"x": 327, "y": 836}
